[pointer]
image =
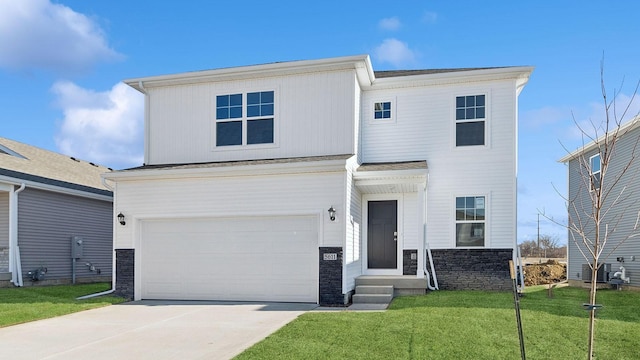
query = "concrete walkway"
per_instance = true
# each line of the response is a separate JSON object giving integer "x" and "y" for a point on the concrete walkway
{"x": 149, "y": 330}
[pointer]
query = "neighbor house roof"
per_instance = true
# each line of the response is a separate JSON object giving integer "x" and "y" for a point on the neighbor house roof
{"x": 624, "y": 129}
{"x": 29, "y": 163}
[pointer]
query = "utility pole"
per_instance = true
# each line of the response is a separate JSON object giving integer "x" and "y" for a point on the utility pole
{"x": 539, "y": 250}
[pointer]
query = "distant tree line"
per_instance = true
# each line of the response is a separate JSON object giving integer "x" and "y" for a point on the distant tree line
{"x": 549, "y": 248}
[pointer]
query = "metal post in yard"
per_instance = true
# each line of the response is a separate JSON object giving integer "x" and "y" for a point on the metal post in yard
{"x": 516, "y": 303}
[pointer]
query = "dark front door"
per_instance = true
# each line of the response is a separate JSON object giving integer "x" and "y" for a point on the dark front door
{"x": 382, "y": 235}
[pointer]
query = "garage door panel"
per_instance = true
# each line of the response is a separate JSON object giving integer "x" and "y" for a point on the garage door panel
{"x": 250, "y": 258}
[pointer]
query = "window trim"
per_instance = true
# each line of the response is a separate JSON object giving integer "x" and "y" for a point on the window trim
{"x": 455, "y": 121}
{"x": 372, "y": 111}
{"x": 245, "y": 119}
{"x": 592, "y": 173}
{"x": 485, "y": 221}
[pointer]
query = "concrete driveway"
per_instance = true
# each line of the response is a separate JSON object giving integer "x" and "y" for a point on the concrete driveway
{"x": 149, "y": 330}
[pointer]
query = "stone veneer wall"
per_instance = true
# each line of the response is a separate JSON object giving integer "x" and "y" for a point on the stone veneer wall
{"x": 330, "y": 282}
{"x": 473, "y": 269}
{"x": 125, "y": 267}
{"x": 409, "y": 266}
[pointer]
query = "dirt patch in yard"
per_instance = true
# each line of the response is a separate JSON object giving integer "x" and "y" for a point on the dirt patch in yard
{"x": 550, "y": 272}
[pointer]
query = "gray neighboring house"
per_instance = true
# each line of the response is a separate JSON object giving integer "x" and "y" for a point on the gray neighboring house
{"x": 49, "y": 201}
{"x": 625, "y": 260}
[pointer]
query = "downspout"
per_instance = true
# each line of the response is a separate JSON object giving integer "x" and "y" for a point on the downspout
{"x": 15, "y": 265}
{"x": 431, "y": 274}
{"x": 113, "y": 266}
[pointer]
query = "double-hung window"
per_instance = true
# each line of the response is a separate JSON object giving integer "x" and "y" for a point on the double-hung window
{"x": 470, "y": 120}
{"x": 470, "y": 221}
{"x": 595, "y": 171}
{"x": 245, "y": 119}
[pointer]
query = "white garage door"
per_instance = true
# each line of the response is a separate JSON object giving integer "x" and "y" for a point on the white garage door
{"x": 242, "y": 258}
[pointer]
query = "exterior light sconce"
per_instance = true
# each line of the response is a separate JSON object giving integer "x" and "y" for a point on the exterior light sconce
{"x": 121, "y": 219}
{"x": 332, "y": 213}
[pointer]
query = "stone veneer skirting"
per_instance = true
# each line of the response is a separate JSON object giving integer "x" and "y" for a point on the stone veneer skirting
{"x": 125, "y": 267}
{"x": 409, "y": 266}
{"x": 4, "y": 259}
{"x": 330, "y": 282}
{"x": 473, "y": 269}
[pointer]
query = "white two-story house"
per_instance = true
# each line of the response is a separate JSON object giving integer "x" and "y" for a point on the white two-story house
{"x": 288, "y": 181}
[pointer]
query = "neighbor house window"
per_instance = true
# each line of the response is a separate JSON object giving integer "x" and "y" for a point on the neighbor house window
{"x": 382, "y": 110}
{"x": 237, "y": 124}
{"x": 470, "y": 221}
{"x": 595, "y": 168}
{"x": 470, "y": 120}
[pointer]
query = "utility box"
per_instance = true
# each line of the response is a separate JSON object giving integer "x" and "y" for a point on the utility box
{"x": 77, "y": 247}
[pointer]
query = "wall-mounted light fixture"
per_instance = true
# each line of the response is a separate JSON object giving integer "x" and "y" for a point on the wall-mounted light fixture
{"x": 121, "y": 219}
{"x": 332, "y": 213}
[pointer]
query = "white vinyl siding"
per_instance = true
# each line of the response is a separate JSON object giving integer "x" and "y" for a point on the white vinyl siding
{"x": 353, "y": 225}
{"x": 425, "y": 130}
{"x": 310, "y": 121}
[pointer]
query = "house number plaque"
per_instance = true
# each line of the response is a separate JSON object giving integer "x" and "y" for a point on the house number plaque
{"x": 330, "y": 256}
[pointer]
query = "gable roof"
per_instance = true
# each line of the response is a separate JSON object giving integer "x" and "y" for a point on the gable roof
{"x": 29, "y": 163}
{"x": 622, "y": 131}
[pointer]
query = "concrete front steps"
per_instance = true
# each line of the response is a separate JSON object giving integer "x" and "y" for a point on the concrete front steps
{"x": 371, "y": 289}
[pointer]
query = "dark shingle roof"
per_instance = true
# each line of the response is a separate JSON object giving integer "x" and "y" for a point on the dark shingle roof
{"x": 397, "y": 73}
{"x": 31, "y": 163}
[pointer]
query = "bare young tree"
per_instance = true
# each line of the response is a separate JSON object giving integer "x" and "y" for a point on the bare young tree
{"x": 603, "y": 199}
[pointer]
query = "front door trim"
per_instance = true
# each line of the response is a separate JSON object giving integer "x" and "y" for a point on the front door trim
{"x": 365, "y": 219}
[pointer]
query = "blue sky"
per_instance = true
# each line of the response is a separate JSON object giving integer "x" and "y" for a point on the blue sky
{"x": 62, "y": 62}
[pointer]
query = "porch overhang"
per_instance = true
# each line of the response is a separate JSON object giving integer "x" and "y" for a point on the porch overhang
{"x": 394, "y": 177}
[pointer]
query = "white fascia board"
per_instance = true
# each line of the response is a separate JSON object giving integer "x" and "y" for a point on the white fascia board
{"x": 53, "y": 188}
{"x": 227, "y": 171}
{"x": 624, "y": 129}
{"x": 520, "y": 73}
{"x": 360, "y": 63}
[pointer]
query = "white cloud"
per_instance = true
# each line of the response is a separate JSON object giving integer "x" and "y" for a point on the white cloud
{"x": 103, "y": 127}
{"x": 395, "y": 52}
{"x": 391, "y": 24}
{"x": 429, "y": 17}
{"x": 36, "y": 34}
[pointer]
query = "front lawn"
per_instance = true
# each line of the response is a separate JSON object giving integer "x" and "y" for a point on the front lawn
{"x": 19, "y": 305}
{"x": 463, "y": 325}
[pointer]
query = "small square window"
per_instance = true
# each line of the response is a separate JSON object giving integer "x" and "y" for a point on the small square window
{"x": 382, "y": 110}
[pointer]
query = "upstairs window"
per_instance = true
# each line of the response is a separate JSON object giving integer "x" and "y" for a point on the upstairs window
{"x": 245, "y": 119}
{"x": 595, "y": 168}
{"x": 470, "y": 221}
{"x": 382, "y": 110}
{"x": 470, "y": 120}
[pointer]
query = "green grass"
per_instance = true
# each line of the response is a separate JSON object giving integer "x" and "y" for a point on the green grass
{"x": 19, "y": 305}
{"x": 463, "y": 325}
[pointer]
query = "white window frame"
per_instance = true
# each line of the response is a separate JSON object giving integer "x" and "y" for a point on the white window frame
{"x": 486, "y": 120}
{"x": 485, "y": 221}
{"x": 592, "y": 173}
{"x": 244, "y": 119}
{"x": 372, "y": 112}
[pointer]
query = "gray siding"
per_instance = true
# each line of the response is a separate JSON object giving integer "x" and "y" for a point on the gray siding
{"x": 622, "y": 218}
{"x": 46, "y": 223}
{"x": 4, "y": 219}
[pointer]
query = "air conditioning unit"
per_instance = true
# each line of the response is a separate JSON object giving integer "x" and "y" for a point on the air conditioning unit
{"x": 601, "y": 276}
